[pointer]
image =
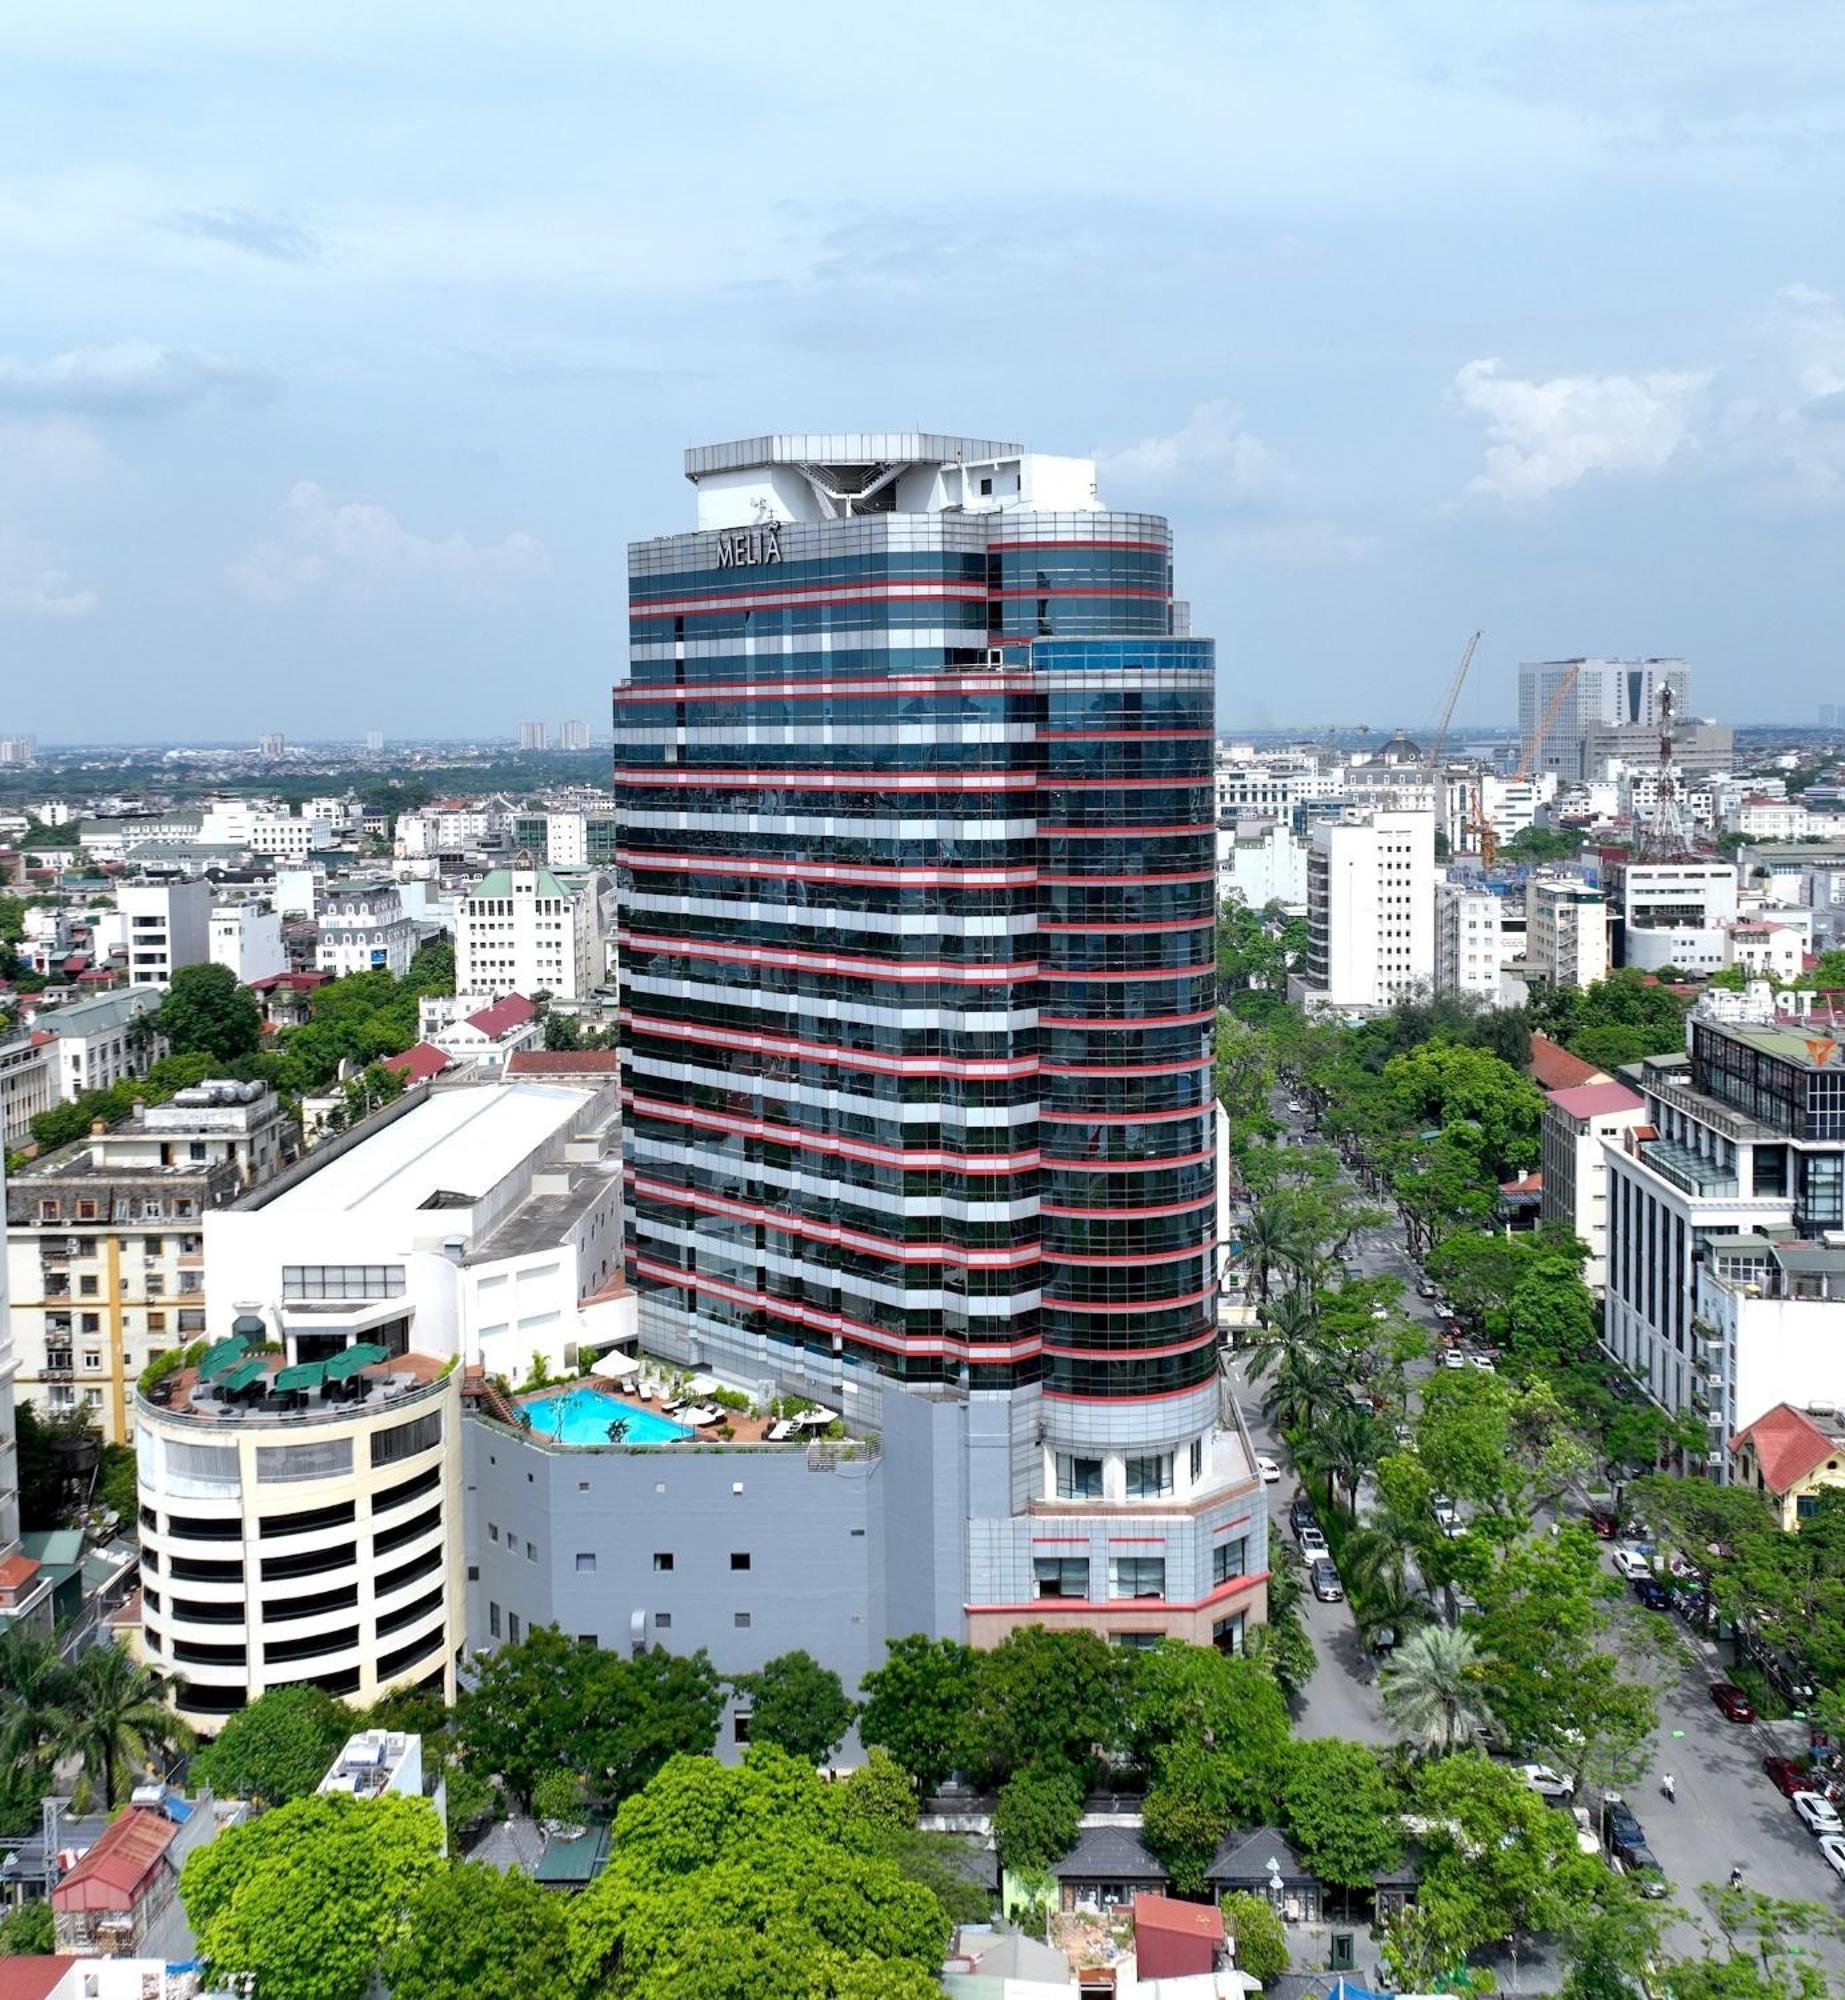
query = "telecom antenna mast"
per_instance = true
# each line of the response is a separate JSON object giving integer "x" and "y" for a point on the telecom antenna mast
{"x": 1665, "y": 838}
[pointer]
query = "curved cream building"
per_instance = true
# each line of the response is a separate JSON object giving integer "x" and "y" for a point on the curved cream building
{"x": 318, "y": 1544}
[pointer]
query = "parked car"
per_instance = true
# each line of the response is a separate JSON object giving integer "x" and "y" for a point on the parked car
{"x": 1424, "y": 1290}
{"x": 1649, "y": 1878}
{"x": 1603, "y": 1524}
{"x": 1270, "y": 1471}
{"x": 1380, "y": 1312}
{"x": 1453, "y": 1359}
{"x": 1403, "y": 1434}
{"x": 1832, "y": 1853}
{"x": 1483, "y": 1362}
{"x": 1787, "y": 1675}
{"x": 1444, "y": 1510}
{"x": 1550, "y": 1785}
{"x": 1787, "y": 1776}
{"x": 1300, "y": 1513}
{"x": 1325, "y": 1579}
{"x": 1732, "y": 1704}
{"x": 1619, "y": 1826}
{"x": 1632, "y": 1563}
{"x": 1817, "y": 1815}
{"x": 1312, "y": 1545}
{"x": 1652, "y": 1593}
{"x": 1294, "y": 1104}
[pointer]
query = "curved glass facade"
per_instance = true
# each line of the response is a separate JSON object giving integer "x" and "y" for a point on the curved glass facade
{"x": 916, "y": 851}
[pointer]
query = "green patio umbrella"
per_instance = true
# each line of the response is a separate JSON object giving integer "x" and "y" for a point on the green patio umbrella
{"x": 250, "y": 1371}
{"x": 303, "y": 1375}
{"x": 349, "y": 1360}
{"x": 223, "y": 1356}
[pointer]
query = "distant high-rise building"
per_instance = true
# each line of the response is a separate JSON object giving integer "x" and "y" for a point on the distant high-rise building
{"x": 573, "y": 735}
{"x": 374, "y": 742}
{"x": 16, "y": 750}
{"x": 1587, "y": 698}
{"x": 1828, "y": 715}
{"x": 531, "y": 736}
{"x": 272, "y": 746}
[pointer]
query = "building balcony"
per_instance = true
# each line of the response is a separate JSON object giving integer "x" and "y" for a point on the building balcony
{"x": 1686, "y": 1168}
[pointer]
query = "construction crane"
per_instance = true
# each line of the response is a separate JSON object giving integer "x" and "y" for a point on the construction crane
{"x": 1552, "y": 709}
{"x": 1447, "y": 711}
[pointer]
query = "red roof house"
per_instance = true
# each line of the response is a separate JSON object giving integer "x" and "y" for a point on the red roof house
{"x": 111, "y": 1898}
{"x": 1174, "y": 1940}
{"x": 1554, "y": 1068}
{"x": 419, "y": 1064}
{"x": 564, "y": 1062}
{"x": 503, "y": 1016}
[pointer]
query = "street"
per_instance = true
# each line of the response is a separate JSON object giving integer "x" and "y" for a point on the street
{"x": 1727, "y": 1813}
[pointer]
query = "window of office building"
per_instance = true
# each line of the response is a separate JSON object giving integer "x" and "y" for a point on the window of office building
{"x": 1150, "y": 1478}
{"x": 1061, "y": 1576}
{"x": 1137, "y": 1576}
{"x": 1078, "y": 1478}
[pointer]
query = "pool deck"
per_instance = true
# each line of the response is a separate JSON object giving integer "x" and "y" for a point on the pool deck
{"x": 748, "y": 1430}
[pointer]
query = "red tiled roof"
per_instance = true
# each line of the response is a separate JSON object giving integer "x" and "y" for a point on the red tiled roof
{"x": 512, "y": 1012}
{"x": 296, "y": 982}
{"x": 31, "y": 1978}
{"x": 1533, "y": 1183}
{"x": 1594, "y": 1100}
{"x": 563, "y": 1062}
{"x": 420, "y": 1063}
{"x": 16, "y": 1572}
{"x": 1177, "y": 1919}
{"x": 1556, "y": 1069}
{"x": 616, "y": 1287}
{"x": 113, "y": 1874}
{"x": 1788, "y": 1445}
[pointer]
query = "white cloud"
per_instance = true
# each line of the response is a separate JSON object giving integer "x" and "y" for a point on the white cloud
{"x": 367, "y": 547}
{"x": 1210, "y": 453}
{"x": 33, "y": 586}
{"x": 1543, "y": 437}
{"x": 1785, "y": 419}
{"x": 130, "y": 378}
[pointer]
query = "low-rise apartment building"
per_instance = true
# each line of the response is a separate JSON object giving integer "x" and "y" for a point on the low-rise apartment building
{"x": 1467, "y": 941}
{"x": 105, "y": 1249}
{"x": 103, "y": 1041}
{"x": 28, "y": 1081}
{"x": 246, "y": 937}
{"x": 1566, "y": 936}
{"x": 1578, "y": 1125}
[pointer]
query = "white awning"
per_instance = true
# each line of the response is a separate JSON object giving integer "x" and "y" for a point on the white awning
{"x": 615, "y": 1366}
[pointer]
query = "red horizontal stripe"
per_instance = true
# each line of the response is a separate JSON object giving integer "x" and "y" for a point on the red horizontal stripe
{"x": 827, "y": 1232}
{"x": 833, "y": 781}
{"x": 1125, "y": 1069}
{"x": 1124, "y": 1117}
{"x": 1116, "y": 881}
{"x": 961, "y": 680}
{"x": 1138, "y": 1257}
{"x": 1070, "y": 1165}
{"x": 738, "y": 1038}
{"x": 813, "y": 1142}
{"x": 1065, "y": 976}
{"x": 1139, "y": 1021}
{"x": 1136, "y": 1306}
{"x": 1116, "y": 1606}
{"x": 831, "y": 871}
{"x": 827, "y": 1322}
{"x": 1045, "y": 929}
{"x": 1124, "y": 735}
{"x": 1010, "y": 974}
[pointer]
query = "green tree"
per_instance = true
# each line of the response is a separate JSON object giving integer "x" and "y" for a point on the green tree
{"x": 207, "y": 1013}
{"x": 919, "y": 1704}
{"x": 1196, "y": 1797}
{"x": 1046, "y": 1696}
{"x": 1196, "y": 1696}
{"x": 562, "y": 1032}
{"x": 116, "y": 1721}
{"x": 722, "y": 1878}
{"x": 1037, "y": 1813}
{"x": 35, "y": 1692}
{"x": 879, "y": 1797}
{"x": 799, "y": 1705}
{"x": 519, "y": 1719}
{"x": 473, "y": 1933}
{"x": 1343, "y": 1813}
{"x": 1260, "y": 1937}
{"x": 303, "y": 1900}
{"x": 28, "y": 1932}
{"x": 276, "y": 1749}
{"x": 1434, "y": 1690}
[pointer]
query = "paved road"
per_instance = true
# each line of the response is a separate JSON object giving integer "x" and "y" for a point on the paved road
{"x": 1726, "y": 1812}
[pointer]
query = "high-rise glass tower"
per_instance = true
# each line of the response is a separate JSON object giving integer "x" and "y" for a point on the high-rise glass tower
{"x": 916, "y": 838}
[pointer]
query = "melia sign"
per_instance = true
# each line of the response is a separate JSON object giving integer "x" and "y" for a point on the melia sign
{"x": 743, "y": 548}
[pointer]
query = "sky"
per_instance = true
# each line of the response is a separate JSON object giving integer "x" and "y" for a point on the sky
{"x": 344, "y": 348}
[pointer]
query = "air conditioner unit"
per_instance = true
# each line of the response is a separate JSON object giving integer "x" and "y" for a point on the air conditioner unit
{"x": 1713, "y": 1458}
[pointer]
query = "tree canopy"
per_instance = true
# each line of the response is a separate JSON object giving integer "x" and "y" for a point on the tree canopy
{"x": 276, "y": 1749}
{"x": 799, "y": 1705}
{"x": 208, "y": 1013}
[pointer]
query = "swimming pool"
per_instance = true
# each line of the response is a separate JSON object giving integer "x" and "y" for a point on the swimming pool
{"x": 583, "y": 1416}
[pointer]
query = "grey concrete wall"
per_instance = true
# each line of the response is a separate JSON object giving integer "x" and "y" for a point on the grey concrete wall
{"x": 815, "y": 1540}
{"x": 923, "y": 1506}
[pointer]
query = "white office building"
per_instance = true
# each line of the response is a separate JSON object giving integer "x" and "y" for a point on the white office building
{"x": 1370, "y": 912}
{"x": 1467, "y": 941}
{"x": 246, "y": 938}
{"x": 1262, "y": 861}
{"x": 363, "y": 928}
{"x": 525, "y": 929}
{"x": 1588, "y": 697}
{"x": 1674, "y": 913}
{"x": 28, "y": 1082}
{"x": 163, "y": 925}
{"x": 1566, "y": 931}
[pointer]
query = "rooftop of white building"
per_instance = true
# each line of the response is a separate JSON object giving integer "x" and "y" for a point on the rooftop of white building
{"x": 445, "y": 1152}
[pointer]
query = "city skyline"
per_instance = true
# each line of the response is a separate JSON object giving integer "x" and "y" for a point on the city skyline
{"x": 288, "y": 429}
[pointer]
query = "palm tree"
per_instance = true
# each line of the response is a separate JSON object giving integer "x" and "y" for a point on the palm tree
{"x": 34, "y": 1683}
{"x": 1390, "y": 1604}
{"x": 1307, "y": 1385}
{"x": 115, "y": 1718}
{"x": 1432, "y": 1689}
{"x": 1344, "y": 1445}
{"x": 1292, "y": 1323}
{"x": 1378, "y": 1555}
{"x": 1267, "y": 1243}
